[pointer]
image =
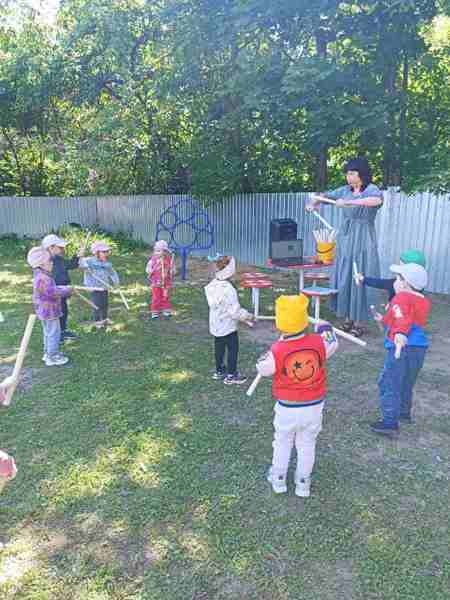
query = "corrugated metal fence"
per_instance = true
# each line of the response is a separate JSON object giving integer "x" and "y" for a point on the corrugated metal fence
{"x": 242, "y": 223}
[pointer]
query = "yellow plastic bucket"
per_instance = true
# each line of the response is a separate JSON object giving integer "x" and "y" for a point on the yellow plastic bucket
{"x": 326, "y": 251}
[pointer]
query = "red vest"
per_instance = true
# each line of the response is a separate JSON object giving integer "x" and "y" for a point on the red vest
{"x": 300, "y": 374}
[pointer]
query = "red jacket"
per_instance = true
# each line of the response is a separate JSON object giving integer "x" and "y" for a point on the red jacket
{"x": 300, "y": 374}
{"x": 405, "y": 310}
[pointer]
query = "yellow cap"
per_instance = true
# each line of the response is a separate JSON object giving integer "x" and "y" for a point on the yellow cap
{"x": 291, "y": 313}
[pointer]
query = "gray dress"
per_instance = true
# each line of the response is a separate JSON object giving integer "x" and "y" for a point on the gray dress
{"x": 356, "y": 241}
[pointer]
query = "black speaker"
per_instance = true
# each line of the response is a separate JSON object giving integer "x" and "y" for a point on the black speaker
{"x": 282, "y": 230}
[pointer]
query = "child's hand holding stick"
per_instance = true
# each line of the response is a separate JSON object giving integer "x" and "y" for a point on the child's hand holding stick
{"x": 400, "y": 342}
{"x": 77, "y": 293}
{"x": 82, "y": 250}
{"x": 377, "y": 317}
{"x": 9, "y": 385}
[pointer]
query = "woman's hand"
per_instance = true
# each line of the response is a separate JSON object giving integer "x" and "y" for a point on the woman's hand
{"x": 311, "y": 205}
{"x": 359, "y": 279}
{"x": 341, "y": 203}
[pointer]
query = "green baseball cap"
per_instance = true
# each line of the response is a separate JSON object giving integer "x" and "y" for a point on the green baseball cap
{"x": 413, "y": 256}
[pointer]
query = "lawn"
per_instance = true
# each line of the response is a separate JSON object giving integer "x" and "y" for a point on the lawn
{"x": 142, "y": 478}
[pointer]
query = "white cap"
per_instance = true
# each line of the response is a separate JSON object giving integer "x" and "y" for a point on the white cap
{"x": 37, "y": 256}
{"x": 161, "y": 246}
{"x": 413, "y": 274}
{"x": 53, "y": 240}
{"x": 99, "y": 246}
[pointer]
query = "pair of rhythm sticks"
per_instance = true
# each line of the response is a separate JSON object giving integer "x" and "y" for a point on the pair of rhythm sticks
{"x": 100, "y": 280}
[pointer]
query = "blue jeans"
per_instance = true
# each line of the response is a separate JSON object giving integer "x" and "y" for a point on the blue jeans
{"x": 397, "y": 380}
{"x": 52, "y": 336}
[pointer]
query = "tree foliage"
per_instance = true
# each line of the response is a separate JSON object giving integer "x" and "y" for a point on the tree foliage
{"x": 222, "y": 96}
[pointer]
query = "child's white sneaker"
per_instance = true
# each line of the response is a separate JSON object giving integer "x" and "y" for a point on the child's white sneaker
{"x": 99, "y": 324}
{"x": 278, "y": 484}
{"x": 155, "y": 315}
{"x": 56, "y": 360}
{"x": 302, "y": 487}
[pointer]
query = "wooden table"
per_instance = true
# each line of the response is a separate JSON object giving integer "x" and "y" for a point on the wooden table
{"x": 310, "y": 264}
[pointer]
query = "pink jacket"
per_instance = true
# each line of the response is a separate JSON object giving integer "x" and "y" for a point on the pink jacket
{"x": 160, "y": 270}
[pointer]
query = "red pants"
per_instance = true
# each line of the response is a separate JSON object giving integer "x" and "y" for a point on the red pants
{"x": 160, "y": 300}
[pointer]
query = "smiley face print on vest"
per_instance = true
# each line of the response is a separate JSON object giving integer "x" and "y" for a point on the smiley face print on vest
{"x": 301, "y": 366}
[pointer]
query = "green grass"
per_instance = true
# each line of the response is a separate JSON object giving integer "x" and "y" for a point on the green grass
{"x": 141, "y": 478}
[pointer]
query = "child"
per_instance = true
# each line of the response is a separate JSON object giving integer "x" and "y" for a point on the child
{"x": 98, "y": 273}
{"x": 8, "y": 469}
{"x": 55, "y": 245}
{"x": 410, "y": 256}
{"x": 47, "y": 303}
{"x": 406, "y": 344}
{"x": 297, "y": 363}
{"x": 224, "y": 316}
{"x": 160, "y": 270}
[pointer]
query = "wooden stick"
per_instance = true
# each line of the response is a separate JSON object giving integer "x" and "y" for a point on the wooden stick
{"x": 253, "y": 385}
{"x": 19, "y": 360}
{"x": 316, "y": 214}
{"x": 87, "y": 289}
{"x": 86, "y": 241}
{"x": 324, "y": 199}
{"x": 123, "y": 299}
{"x": 112, "y": 288}
{"x": 343, "y": 334}
{"x": 91, "y": 304}
{"x": 102, "y": 281}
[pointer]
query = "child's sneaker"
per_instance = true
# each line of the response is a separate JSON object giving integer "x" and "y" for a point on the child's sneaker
{"x": 155, "y": 315}
{"x": 384, "y": 429}
{"x": 56, "y": 360}
{"x": 99, "y": 324}
{"x": 167, "y": 315}
{"x": 218, "y": 375}
{"x": 237, "y": 379}
{"x": 303, "y": 487}
{"x": 68, "y": 335}
{"x": 279, "y": 484}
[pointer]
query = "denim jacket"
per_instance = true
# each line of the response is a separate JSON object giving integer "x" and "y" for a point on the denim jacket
{"x": 98, "y": 273}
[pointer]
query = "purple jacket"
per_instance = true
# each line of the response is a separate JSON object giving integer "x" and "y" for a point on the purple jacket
{"x": 47, "y": 295}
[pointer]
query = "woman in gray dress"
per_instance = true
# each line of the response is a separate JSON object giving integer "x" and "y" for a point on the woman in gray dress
{"x": 356, "y": 241}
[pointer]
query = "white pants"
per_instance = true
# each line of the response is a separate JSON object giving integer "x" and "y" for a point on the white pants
{"x": 299, "y": 426}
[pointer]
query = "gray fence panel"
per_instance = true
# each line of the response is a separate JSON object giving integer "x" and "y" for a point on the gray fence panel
{"x": 242, "y": 223}
{"x": 35, "y": 217}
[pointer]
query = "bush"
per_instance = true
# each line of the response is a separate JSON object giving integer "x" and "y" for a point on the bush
{"x": 120, "y": 242}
